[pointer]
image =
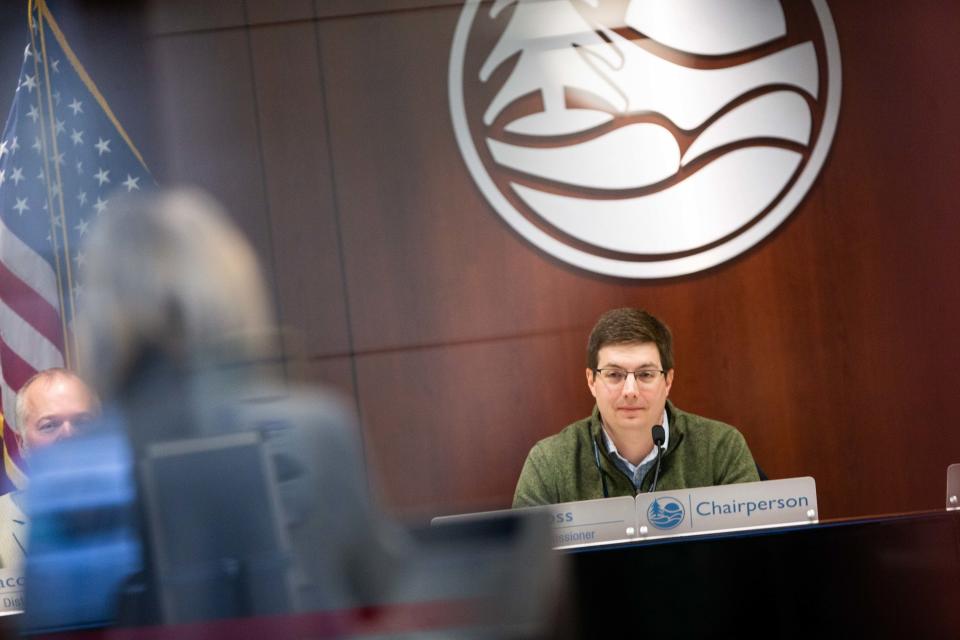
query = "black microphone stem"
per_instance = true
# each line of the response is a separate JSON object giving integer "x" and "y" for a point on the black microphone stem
{"x": 659, "y": 435}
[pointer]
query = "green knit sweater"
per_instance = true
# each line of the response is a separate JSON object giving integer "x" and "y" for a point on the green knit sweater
{"x": 701, "y": 453}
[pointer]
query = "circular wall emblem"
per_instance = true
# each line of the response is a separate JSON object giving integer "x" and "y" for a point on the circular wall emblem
{"x": 665, "y": 513}
{"x": 644, "y": 138}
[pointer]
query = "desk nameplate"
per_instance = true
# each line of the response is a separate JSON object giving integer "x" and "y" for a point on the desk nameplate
{"x": 593, "y": 521}
{"x": 11, "y": 591}
{"x": 953, "y": 487}
{"x": 731, "y": 507}
{"x": 574, "y": 523}
{"x": 648, "y": 516}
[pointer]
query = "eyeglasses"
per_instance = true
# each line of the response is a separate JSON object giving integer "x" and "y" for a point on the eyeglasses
{"x": 614, "y": 378}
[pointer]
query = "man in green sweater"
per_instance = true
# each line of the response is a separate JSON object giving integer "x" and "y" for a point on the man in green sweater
{"x": 611, "y": 452}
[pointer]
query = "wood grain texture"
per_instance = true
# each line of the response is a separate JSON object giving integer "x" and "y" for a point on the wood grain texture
{"x": 421, "y": 246}
{"x": 205, "y": 90}
{"x": 299, "y": 189}
{"x": 273, "y": 11}
{"x": 334, "y": 373}
{"x": 448, "y": 428}
{"x": 180, "y": 16}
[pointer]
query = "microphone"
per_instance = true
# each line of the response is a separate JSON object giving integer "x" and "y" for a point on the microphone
{"x": 659, "y": 435}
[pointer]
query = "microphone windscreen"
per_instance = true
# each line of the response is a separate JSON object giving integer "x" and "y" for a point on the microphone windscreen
{"x": 659, "y": 435}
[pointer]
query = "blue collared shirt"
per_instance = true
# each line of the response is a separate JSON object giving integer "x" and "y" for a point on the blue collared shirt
{"x": 636, "y": 472}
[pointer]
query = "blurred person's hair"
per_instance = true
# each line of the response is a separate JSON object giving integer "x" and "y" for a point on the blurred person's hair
{"x": 48, "y": 376}
{"x": 168, "y": 277}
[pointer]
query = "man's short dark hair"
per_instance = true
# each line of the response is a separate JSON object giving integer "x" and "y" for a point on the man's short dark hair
{"x": 630, "y": 326}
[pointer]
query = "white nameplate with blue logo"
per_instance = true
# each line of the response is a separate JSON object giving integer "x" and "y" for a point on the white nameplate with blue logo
{"x": 953, "y": 487}
{"x": 730, "y": 507}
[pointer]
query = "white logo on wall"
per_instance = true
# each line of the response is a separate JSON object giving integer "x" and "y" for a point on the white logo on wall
{"x": 644, "y": 138}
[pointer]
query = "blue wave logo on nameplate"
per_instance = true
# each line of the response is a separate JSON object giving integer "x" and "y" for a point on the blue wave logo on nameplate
{"x": 665, "y": 513}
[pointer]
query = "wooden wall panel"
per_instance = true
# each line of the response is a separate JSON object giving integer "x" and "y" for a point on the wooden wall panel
{"x": 831, "y": 344}
{"x": 421, "y": 247}
{"x": 335, "y": 373}
{"x": 179, "y": 16}
{"x": 273, "y": 11}
{"x": 448, "y": 428}
{"x": 243, "y": 117}
{"x": 209, "y": 124}
{"x": 351, "y": 8}
{"x": 299, "y": 188}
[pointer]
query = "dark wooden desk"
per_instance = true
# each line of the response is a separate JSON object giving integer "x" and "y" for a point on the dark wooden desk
{"x": 892, "y": 576}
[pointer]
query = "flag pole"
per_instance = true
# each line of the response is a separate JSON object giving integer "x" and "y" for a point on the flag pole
{"x": 69, "y": 352}
{"x": 45, "y": 124}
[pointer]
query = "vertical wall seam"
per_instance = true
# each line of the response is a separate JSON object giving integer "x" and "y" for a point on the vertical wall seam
{"x": 274, "y": 282}
{"x": 335, "y": 198}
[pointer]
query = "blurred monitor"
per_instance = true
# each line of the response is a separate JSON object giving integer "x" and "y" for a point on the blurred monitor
{"x": 502, "y": 562}
{"x": 214, "y": 520}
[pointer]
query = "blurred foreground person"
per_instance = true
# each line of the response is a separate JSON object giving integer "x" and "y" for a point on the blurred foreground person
{"x": 210, "y": 491}
{"x": 248, "y": 499}
{"x": 52, "y": 405}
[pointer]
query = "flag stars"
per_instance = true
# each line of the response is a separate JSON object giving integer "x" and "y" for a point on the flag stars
{"x": 58, "y": 158}
{"x": 79, "y": 167}
{"x": 82, "y": 227}
{"x": 14, "y": 145}
{"x": 55, "y": 65}
{"x": 26, "y": 52}
{"x": 100, "y": 206}
{"x": 61, "y": 127}
{"x": 102, "y": 176}
{"x": 37, "y": 145}
{"x": 17, "y": 175}
{"x": 56, "y": 97}
{"x": 77, "y": 137}
{"x": 131, "y": 183}
{"x": 30, "y": 82}
{"x": 80, "y": 258}
{"x": 82, "y": 198}
{"x": 55, "y": 190}
{"x": 21, "y": 206}
{"x": 103, "y": 146}
{"x": 34, "y": 113}
{"x": 3, "y": 176}
{"x": 3, "y": 148}
{"x": 76, "y": 106}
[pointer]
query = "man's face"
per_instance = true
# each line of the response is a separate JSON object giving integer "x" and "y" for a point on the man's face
{"x": 56, "y": 409}
{"x": 633, "y": 406}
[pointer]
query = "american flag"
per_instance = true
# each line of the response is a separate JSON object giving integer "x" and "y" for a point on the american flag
{"x": 63, "y": 155}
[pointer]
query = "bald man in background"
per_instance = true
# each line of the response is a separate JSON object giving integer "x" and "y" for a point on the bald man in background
{"x": 52, "y": 405}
